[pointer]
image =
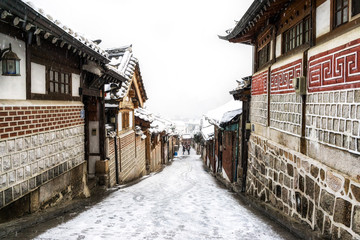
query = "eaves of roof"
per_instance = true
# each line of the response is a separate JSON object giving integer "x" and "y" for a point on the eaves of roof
{"x": 254, "y": 19}
{"x": 30, "y": 15}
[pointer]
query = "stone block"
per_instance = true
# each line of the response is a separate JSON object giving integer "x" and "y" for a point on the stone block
{"x": 301, "y": 183}
{"x": 298, "y": 202}
{"x": 304, "y": 206}
{"x": 7, "y": 163}
{"x": 15, "y": 159}
{"x": 314, "y": 171}
{"x": 333, "y": 182}
{"x": 356, "y": 220}
{"x": 342, "y": 212}
{"x": 32, "y": 183}
{"x": 327, "y": 228}
{"x": 353, "y": 111}
{"x": 319, "y": 220}
{"x": 355, "y": 130}
{"x": 290, "y": 170}
{"x": 284, "y": 194}
{"x": 24, "y": 187}
{"x": 287, "y": 181}
{"x": 19, "y": 174}
{"x": 3, "y": 181}
{"x": 327, "y": 201}
{"x": 17, "y": 191}
{"x": 355, "y": 192}
{"x": 345, "y": 235}
{"x": 310, "y": 187}
{"x": 8, "y": 195}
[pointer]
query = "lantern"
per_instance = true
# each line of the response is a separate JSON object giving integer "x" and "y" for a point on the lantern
{"x": 10, "y": 62}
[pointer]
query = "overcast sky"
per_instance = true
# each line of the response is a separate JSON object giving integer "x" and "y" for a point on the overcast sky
{"x": 187, "y": 70}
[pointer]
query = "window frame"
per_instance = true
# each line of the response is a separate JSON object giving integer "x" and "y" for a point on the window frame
{"x": 51, "y": 82}
{"x": 297, "y": 35}
{"x": 335, "y": 11}
{"x": 265, "y": 50}
{"x": 125, "y": 120}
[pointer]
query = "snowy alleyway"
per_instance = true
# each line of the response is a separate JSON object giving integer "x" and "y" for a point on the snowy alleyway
{"x": 181, "y": 202}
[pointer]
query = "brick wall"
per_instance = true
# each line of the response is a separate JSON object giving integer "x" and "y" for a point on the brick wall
{"x": 38, "y": 143}
{"x": 303, "y": 188}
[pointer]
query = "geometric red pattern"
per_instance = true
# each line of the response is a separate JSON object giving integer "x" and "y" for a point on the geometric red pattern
{"x": 335, "y": 69}
{"x": 259, "y": 83}
{"x": 282, "y": 77}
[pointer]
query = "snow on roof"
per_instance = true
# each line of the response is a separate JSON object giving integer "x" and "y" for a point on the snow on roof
{"x": 78, "y": 36}
{"x": 186, "y": 136}
{"x": 230, "y": 115}
{"x": 216, "y": 114}
{"x": 144, "y": 114}
{"x": 161, "y": 124}
{"x": 123, "y": 62}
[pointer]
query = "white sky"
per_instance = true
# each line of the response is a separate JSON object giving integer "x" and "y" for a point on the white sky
{"x": 187, "y": 70}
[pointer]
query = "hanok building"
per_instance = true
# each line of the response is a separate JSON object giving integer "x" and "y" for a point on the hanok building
{"x": 304, "y": 146}
{"x": 126, "y": 160}
{"x": 51, "y": 80}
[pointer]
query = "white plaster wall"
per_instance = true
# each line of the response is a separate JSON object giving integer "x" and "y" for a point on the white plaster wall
{"x": 288, "y": 60}
{"x": 75, "y": 78}
{"x": 323, "y": 19}
{"x": 13, "y": 87}
{"x": 94, "y": 146}
{"x": 119, "y": 122}
{"x": 38, "y": 78}
{"x": 271, "y": 49}
{"x": 278, "y": 46}
{"x": 130, "y": 119}
{"x": 94, "y": 140}
{"x": 335, "y": 42}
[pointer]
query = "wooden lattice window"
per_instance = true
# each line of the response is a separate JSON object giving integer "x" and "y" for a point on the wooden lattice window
{"x": 297, "y": 35}
{"x": 264, "y": 55}
{"x": 58, "y": 82}
{"x": 355, "y": 7}
{"x": 125, "y": 120}
{"x": 341, "y": 12}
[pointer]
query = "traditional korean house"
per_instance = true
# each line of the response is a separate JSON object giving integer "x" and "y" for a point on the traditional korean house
{"x": 228, "y": 142}
{"x": 143, "y": 120}
{"x": 126, "y": 160}
{"x": 303, "y": 152}
{"x": 163, "y": 137}
{"x": 243, "y": 93}
{"x": 50, "y": 91}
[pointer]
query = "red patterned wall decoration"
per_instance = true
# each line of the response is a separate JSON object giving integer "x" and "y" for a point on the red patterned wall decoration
{"x": 281, "y": 78}
{"x": 335, "y": 69}
{"x": 259, "y": 83}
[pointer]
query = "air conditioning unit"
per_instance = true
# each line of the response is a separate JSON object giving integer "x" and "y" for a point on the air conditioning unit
{"x": 299, "y": 85}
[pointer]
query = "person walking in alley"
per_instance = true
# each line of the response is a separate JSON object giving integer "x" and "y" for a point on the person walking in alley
{"x": 183, "y": 149}
{"x": 188, "y": 149}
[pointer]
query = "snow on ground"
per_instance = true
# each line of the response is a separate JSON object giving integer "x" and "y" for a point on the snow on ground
{"x": 181, "y": 202}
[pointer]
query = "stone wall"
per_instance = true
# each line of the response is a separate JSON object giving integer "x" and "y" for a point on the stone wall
{"x": 38, "y": 144}
{"x": 332, "y": 118}
{"x": 304, "y": 189}
{"x": 259, "y": 109}
{"x": 285, "y": 113}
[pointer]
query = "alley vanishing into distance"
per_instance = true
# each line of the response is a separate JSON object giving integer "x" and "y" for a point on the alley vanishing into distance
{"x": 182, "y": 202}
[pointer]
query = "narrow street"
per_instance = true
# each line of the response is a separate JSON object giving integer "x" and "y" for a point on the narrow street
{"x": 181, "y": 202}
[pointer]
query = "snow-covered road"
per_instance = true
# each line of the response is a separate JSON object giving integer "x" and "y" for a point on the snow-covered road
{"x": 181, "y": 202}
